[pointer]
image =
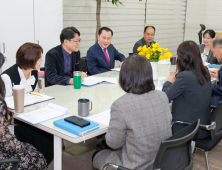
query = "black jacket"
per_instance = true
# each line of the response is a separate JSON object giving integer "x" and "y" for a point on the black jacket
{"x": 191, "y": 101}
{"x": 54, "y": 66}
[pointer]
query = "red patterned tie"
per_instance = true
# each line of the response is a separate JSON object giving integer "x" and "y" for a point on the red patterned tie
{"x": 107, "y": 57}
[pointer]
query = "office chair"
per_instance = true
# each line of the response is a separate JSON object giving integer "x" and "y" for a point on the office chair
{"x": 200, "y": 33}
{"x": 14, "y": 161}
{"x": 215, "y": 128}
{"x": 174, "y": 153}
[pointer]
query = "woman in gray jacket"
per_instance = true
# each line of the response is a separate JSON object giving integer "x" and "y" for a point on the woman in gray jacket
{"x": 140, "y": 119}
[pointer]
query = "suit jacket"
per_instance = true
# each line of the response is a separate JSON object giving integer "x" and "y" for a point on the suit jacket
{"x": 96, "y": 59}
{"x": 141, "y": 42}
{"x": 191, "y": 101}
{"x": 217, "y": 90}
{"x": 54, "y": 66}
{"x": 138, "y": 124}
{"x": 210, "y": 58}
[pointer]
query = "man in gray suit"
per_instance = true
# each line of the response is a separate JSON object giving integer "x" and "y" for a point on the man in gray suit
{"x": 216, "y": 48}
{"x": 148, "y": 36}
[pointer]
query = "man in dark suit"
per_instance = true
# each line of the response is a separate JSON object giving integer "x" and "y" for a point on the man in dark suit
{"x": 100, "y": 57}
{"x": 216, "y": 48}
{"x": 62, "y": 60}
{"x": 148, "y": 36}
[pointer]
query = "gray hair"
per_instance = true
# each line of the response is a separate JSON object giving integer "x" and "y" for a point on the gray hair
{"x": 217, "y": 41}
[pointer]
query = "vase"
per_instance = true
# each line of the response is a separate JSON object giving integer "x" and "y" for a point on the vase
{"x": 155, "y": 70}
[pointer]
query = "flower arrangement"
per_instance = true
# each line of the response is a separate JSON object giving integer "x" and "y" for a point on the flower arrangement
{"x": 154, "y": 52}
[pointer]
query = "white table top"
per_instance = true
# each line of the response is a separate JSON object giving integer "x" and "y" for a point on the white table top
{"x": 102, "y": 96}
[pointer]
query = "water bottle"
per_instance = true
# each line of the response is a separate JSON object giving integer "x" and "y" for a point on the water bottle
{"x": 41, "y": 81}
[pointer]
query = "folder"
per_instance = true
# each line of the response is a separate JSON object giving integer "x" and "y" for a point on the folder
{"x": 74, "y": 128}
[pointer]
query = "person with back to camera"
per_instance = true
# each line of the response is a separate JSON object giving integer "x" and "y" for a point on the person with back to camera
{"x": 208, "y": 35}
{"x": 24, "y": 72}
{"x": 190, "y": 89}
{"x": 148, "y": 37}
{"x": 10, "y": 146}
{"x": 140, "y": 119}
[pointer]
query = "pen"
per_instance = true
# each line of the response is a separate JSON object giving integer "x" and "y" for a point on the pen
{"x": 35, "y": 94}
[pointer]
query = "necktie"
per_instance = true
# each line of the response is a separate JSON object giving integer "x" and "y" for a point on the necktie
{"x": 107, "y": 57}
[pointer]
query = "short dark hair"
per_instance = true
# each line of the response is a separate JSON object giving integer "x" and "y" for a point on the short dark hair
{"x": 136, "y": 75}
{"x": 189, "y": 58}
{"x": 148, "y": 27}
{"x": 210, "y": 32}
{"x": 106, "y": 29}
{"x": 68, "y": 33}
{"x": 28, "y": 55}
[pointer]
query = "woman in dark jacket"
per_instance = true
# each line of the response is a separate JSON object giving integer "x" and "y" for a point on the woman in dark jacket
{"x": 190, "y": 90}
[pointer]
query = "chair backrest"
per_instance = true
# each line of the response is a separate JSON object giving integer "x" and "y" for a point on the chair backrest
{"x": 83, "y": 66}
{"x": 175, "y": 152}
{"x": 217, "y": 117}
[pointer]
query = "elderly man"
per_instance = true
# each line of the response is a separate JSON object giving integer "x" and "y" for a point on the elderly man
{"x": 101, "y": 56}
{"x": 148, "y": 36}
{"x": 216, "y": 48}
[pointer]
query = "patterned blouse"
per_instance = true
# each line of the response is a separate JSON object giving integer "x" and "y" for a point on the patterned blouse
{"x": 11, "y": 147}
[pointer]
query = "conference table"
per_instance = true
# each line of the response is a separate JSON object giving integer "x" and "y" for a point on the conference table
{"x": 101, "y": 95}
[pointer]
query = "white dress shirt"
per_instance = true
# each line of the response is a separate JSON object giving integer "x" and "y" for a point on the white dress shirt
{"x": 27, "y": 83}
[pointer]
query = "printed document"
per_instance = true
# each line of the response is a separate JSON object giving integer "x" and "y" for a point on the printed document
{"x": 46, "y": 113}
{"x": 102, "y": 118}
{"x": 89, "y": 81}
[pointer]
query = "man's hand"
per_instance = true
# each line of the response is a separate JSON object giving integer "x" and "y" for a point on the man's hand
{"x": 214, "y": 74}
{"x": 120, "y": 65}
{"x": 83, "y": 76}
{"x": 71, "y": 81}
{"x": 171, "y": 79}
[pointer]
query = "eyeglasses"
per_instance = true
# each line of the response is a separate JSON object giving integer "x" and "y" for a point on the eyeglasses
{"x": 78, "y": 41}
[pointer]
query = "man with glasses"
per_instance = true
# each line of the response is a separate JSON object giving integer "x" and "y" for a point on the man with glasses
{"x": 62, "y": 60}
{"x": 148, "y": 36}
{"x": 101, "y": 56}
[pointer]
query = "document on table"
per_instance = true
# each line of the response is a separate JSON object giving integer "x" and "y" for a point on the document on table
{"x": 102, "y": 118}
{"x": 159, "y": 88}
{"x": 46, "y": 113}
{"x": 29, "y": 99}
{"x": 90, "y": 81}
{"x": 116, "y": 69}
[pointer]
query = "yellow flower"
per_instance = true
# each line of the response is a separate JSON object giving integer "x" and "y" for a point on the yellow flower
{"x": 165, "y": 49}
{"x": 148, "y": 56}
{"x": 155, "y": 45}
{"x": 141, "y": 53}
{"x": 169, "y": 54}
{"x": 139, "y": 48}
{"x": 160, "y": 49}
{"x": 161, "y": 57}
{"x": 144, "y": 47}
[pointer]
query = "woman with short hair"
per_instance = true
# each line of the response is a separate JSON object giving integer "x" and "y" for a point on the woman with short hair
{"x": 24, "y": 72}
{"x": 140, "y": 119}
{"x": 10, "y": 146}
{"x": 208, "y": 35}
{"x": 191, "y": 88}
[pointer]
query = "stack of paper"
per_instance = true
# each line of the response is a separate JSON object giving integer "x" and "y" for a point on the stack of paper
{"x": 116, "y": 69}
{"x": 41, "y": 115}
{"x": 29, "y": 99}
{"x": 103, "y": 117}
{"x": 90, "y": 81}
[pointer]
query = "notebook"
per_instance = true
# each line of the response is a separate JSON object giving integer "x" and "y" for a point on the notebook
{"x": 30, "y": 99}
{"x": 90, "y": 81}
{"x": 46, "y": 113}
{"x": 74, "y": 128}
